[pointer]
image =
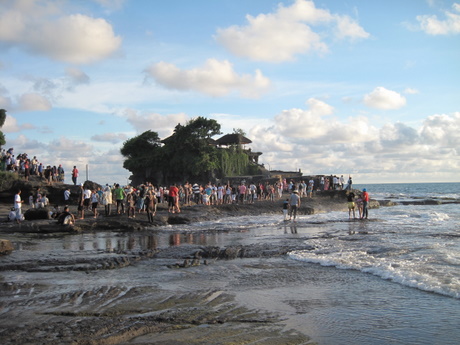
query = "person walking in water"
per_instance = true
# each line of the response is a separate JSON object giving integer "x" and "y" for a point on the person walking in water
{"x": 365, "y": 197}
{"x": 351, "y": 204}
{"x": 294, "y": 202}
{"x": 285, "y": 209}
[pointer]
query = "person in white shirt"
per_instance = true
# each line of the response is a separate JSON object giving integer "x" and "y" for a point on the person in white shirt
{"x": 87, "y": 198}
{"x": 18, "y": 206}
{"x": 12, "y": 214}
{"x": 342, "y": 181}
{"x": 66, "y": 195}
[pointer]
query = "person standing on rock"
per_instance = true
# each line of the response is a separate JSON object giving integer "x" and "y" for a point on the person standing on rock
{"x": 94, "y": 202}
{"x": 81, "y": 202}
{"x": 18, "y": 206}
{"x": 119, "y": 197}
{"x": 107, "y": 200}
{"x": 74, "y": 175}
{"x": 241, "y": 192}
{"x": 294, "y": 204}
{"x": 173, "y": 199}
{"x": 350, "y": 183}
{"x": 151, "y": 203}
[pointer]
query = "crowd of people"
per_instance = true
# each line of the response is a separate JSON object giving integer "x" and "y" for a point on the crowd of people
{"x": 25, "y": 166}
{"x": 146, "y": 197}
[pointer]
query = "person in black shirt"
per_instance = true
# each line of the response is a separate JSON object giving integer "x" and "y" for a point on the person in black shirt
{"x": 351, "y": 204}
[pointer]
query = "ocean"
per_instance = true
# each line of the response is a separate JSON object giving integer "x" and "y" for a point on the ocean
{"x": 391, "y": 279}
{"x": 410, "y": 244}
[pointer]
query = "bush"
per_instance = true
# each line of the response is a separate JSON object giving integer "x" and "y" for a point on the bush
{"x": 7, "y": 179}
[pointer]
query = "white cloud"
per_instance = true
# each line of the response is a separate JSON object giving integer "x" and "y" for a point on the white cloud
{"x": 103, "y": 167}
{"x": 315, "y": 125}
{"x": 41, "y": 27}
{"x": 215, "y": 78}
{"x": 113, "y": 138}
{"x": 411, "y": 91}
{"x": 304, "y": 123}
{"x": 434, "y": 26}
{"x": 348, "y": 28}
{"x": 11, "y": 125}
{"x": 358, "y": 148}
{"x": 280, "y": 36}
{"x": 397, "y": 136}
{"x": 162, "y": 124}
{"x": 33, "y": 102}
{"x": 382, "y": 98}
{"x": 442, "y": 130}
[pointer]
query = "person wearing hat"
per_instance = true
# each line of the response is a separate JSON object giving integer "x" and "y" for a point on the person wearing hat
{"x": 365, "y": 204}
{"x": 294, "y": 203}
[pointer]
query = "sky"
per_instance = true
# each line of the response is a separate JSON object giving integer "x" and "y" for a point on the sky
{"x": 363, "y": 88}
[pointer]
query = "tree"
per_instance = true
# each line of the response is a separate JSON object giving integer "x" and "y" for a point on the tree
{"x": 2, "y": 122}
{"x": 188, "y": 150}
{"x": 142, "y": 153}
{"x": 188, "y": 154}
{"x": 239, "y": 131}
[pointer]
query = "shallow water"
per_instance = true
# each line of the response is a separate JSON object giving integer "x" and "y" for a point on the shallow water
{"x": 394, "y": 279}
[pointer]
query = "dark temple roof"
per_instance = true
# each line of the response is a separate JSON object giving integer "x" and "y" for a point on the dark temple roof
{"x": 231, "y": 139}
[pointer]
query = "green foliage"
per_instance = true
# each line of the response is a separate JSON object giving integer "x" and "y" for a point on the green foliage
{"x": 6, "y": 179}
{"x": 239, "y": 131}
{"x": 2, "y": 122}
{"x": 233, "y": 162}
{"x": 187, "y": 154}
{"x": 142, "y": 151}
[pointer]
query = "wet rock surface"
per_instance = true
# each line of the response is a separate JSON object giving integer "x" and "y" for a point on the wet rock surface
{"x": 115, "y": 280}
{"x": 168, "y": 295}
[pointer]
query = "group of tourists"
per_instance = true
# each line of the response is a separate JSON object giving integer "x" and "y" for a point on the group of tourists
{"x": 23, "y": 165}
{"x": 126, "y": 200}
{"x": 360, "y": 202}
{"x": 146, "y": 197}
{"x": 40, "y": 201}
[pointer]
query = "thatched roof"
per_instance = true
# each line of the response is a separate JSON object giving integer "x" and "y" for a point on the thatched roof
{"x": 232, "y": 139}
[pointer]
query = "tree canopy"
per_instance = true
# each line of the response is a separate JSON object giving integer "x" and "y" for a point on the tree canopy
{"x": 188, "y": 154}
{"x": 2, "y": 122}
{"x": 141, "y": 151}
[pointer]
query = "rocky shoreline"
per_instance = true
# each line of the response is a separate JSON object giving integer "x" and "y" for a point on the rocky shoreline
{"x": 322, "y": 202}
{"x": 118, "y": 280}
